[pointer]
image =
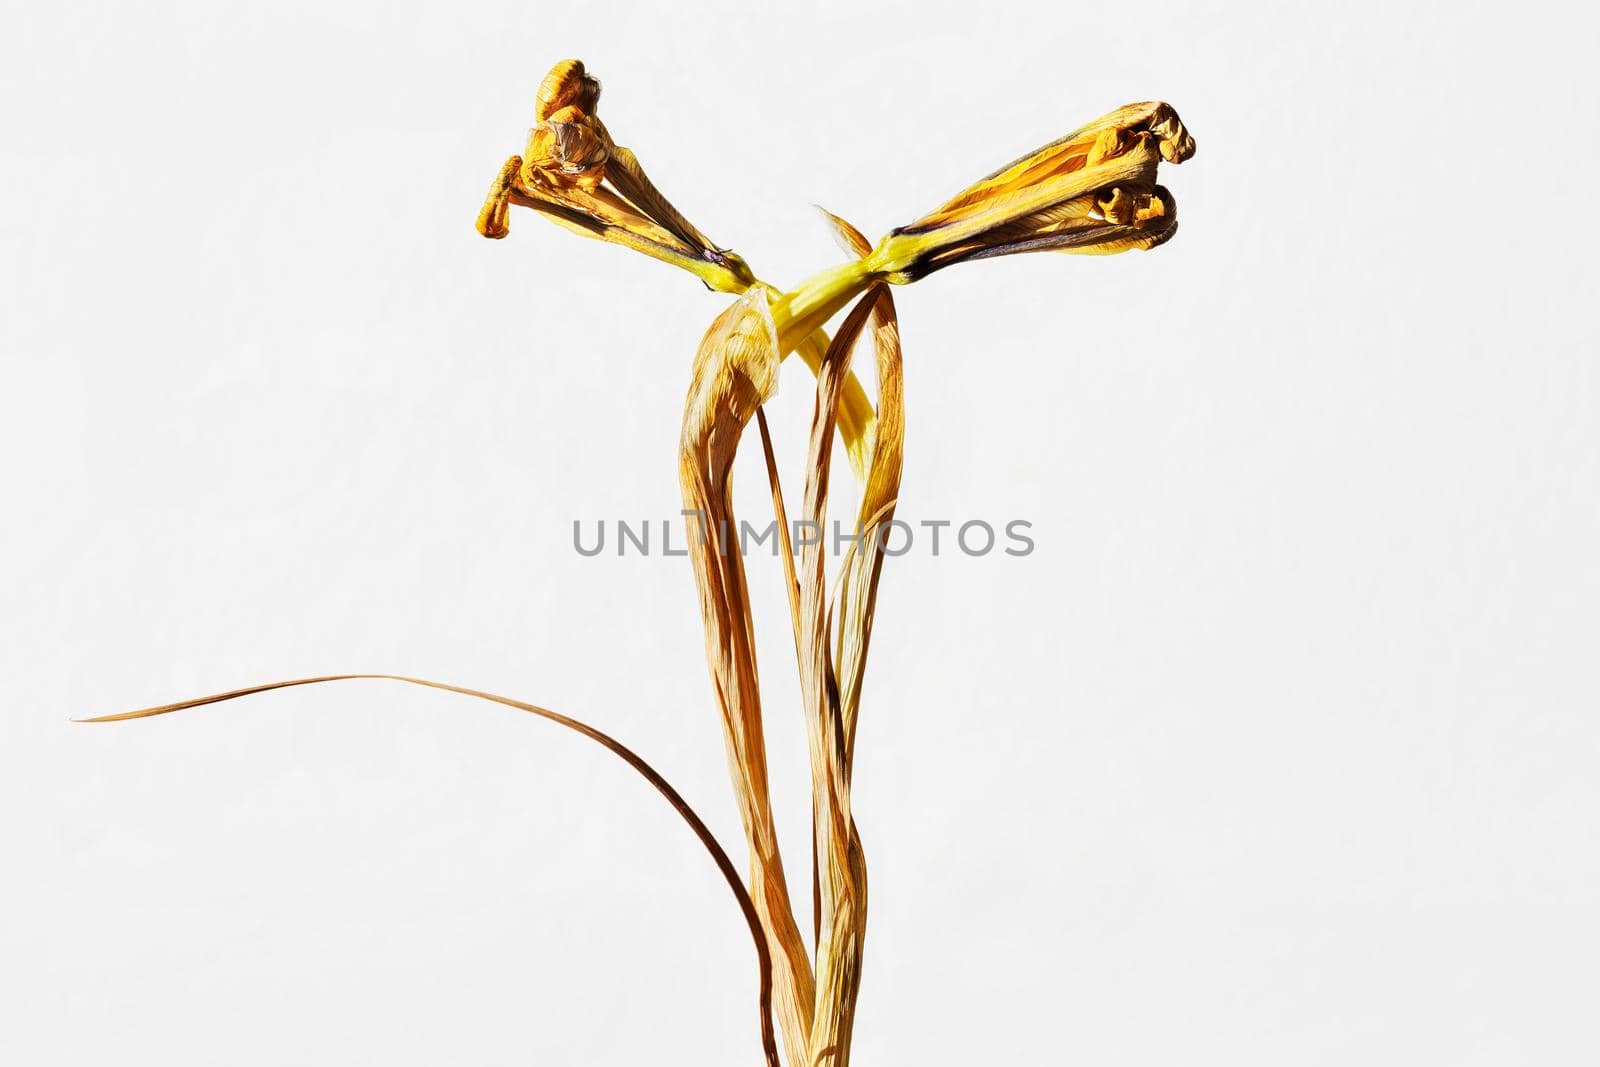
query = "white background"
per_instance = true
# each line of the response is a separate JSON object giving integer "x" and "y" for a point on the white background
{"x": 1281, "y": 749}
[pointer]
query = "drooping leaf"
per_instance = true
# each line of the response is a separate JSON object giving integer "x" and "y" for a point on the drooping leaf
{"x": 707, "y": 839}
{"x": 735, "y": 371}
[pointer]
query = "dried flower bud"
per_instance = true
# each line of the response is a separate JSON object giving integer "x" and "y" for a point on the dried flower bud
{"x": 1093, "y": 191}
{"x": 574, "y": 173}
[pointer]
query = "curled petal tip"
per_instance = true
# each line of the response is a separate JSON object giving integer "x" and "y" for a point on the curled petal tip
{"x": 567, "y": 85}
{"x": 574, "y": 173}
{"x": 494, "y": 220}
{"x": 1174, "y": 139}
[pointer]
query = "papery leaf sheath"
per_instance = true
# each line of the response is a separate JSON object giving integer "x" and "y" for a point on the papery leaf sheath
{"x": 735, "y": 370}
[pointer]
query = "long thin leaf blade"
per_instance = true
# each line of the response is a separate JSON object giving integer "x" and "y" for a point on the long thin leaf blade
{"x": 725, "y": 865}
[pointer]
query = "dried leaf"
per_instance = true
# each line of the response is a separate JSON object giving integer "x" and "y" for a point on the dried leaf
{"x": 861, "y": 569}
{"x": 724, "y": 864}
{"x": 850, "y": 240}
{"x": 840, "y": 865}
{"x": 736, "y": 370}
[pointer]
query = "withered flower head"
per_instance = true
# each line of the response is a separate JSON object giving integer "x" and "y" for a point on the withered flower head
{"x": 1092, "y": 192}
{"x": 574, "y": 173}
{"x": 568, "y": 146}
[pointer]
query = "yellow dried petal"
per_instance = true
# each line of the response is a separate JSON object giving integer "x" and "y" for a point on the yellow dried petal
{"x": 494, "y": 220}
{"x": 1089, "y": 192}
{"x": 567, "y": 85}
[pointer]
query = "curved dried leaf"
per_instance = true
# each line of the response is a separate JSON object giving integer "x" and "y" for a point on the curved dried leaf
{"x": 839, "y": 863}
{"x": 850, "y": 240}
{"x": 735, "y": 370}
{"x": 861, "y": 571}
{"x": 724, "y": 864}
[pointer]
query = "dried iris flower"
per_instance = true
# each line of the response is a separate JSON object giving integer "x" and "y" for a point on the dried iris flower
{"x": 1091, "y": 192}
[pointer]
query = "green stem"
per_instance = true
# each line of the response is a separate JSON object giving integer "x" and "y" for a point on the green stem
{"x": 802, "y": 311}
